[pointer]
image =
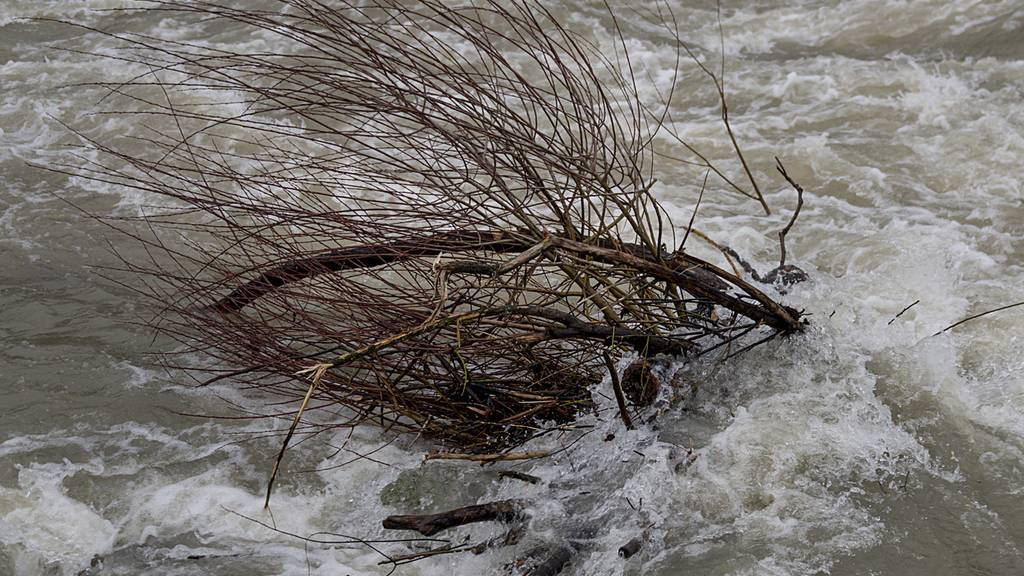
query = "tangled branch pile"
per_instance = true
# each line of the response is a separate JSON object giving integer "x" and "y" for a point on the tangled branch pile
{"x": 429, "y": 218}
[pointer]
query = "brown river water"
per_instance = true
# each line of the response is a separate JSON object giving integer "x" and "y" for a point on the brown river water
{"x": 860, "y": 447}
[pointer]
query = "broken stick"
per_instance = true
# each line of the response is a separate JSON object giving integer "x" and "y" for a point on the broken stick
{"x": 430, "y": 524}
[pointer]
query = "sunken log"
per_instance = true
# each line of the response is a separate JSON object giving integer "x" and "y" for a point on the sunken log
{"x": 430, "y": 524}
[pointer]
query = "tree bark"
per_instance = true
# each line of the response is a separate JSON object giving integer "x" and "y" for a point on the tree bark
{"x": 430, "y": 524}
{"x": 696, "y": 276}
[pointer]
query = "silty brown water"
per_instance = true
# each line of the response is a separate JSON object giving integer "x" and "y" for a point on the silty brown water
{"x": 863, "y": 447}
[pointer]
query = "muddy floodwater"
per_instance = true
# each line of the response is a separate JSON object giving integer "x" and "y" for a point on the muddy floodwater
{"x": 863, "y": 446}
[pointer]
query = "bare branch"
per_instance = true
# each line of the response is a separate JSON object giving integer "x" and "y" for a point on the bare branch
{"x": 796, "y": 213}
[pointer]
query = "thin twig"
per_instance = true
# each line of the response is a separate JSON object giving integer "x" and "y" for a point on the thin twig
{"x": 986, "y": 313}
{"x": 620, "y": 398}
{"x": 317, "y": 373}
{"x": 796, "y": 213}
{"x": 901, "y": 312}
{"x": 693, "y": 216}
{"x": 498, "y": 457}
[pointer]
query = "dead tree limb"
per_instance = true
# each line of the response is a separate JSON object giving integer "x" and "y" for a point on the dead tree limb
{"x": 430, "y": 524}
{"x": 703, "y": 279}
{"x": 366, "y": 257}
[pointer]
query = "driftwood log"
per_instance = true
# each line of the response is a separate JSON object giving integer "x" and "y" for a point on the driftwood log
{"x": 430, "y": 524}
{"x": 539, "y": 561}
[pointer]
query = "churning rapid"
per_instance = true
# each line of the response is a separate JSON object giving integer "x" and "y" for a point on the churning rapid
{"x": 866, "y": 445}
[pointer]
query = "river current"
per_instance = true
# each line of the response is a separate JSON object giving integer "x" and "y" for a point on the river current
{"x": 864, "y": 446}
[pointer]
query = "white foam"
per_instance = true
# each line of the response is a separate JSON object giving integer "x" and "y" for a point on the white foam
{"x": 45, "y": 527}
{"x": 911, "y": 166}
